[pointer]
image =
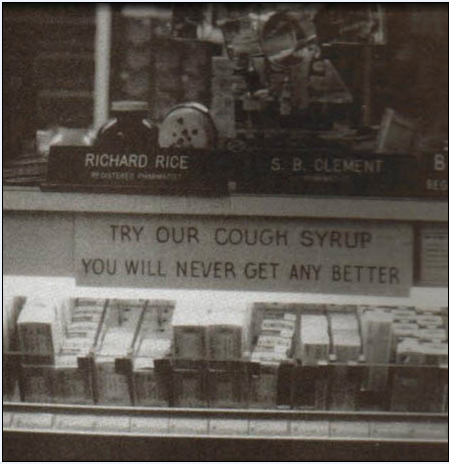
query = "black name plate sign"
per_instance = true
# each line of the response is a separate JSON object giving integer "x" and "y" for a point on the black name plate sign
{"x": 167, "y": 171}
{"x": 433, "y": 175}
{"x": 315, "y": 172}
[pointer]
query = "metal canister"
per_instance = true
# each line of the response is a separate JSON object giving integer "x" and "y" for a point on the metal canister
{"x": 188, "y": 125}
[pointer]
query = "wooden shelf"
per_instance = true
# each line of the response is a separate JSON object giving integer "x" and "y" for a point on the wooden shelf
{"x": 32, "y": 199}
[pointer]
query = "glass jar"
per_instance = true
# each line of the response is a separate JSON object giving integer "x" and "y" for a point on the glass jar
{"x": 128, "y": 131}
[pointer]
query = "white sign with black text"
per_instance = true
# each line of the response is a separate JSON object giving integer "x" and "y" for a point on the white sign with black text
{"x": 244, "y": 254}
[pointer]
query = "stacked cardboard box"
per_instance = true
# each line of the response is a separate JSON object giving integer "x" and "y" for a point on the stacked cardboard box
{"x": 226, "y": 342}
{"x": 54, "y": 336}
{"x": 272, "y": 334}
{"x": 312, "y": 349}
{"x": 41, "y": 332}
{"x": 314, "y": 341}
{"x": 345, "y": 376}
{"x": 189, "y": 352}
{"x": 208, "y": 342}
{"x": 116, "y": 339}
{"x": 416, "y": 387}
{"x": 422, "y": 338}
{"x": 153, "y": 343}
{"x": 189, "y": 331}
{"x": 11, "y": 310}
{"x": 377, "y": 334}
{"x": 345, "y": 335}
{"x": 144, "y": 352}
{"x": 72, "y": 383}
{"x": 274, "y": 343}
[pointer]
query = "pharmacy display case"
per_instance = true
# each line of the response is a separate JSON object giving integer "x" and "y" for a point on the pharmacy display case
{"x": 40, "y": 240}
{"x": 259, "y": 272}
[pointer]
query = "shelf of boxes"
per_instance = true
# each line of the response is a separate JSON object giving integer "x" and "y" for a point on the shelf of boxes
{"x": 41, "y": 225}
{"x": 296, "y": 370}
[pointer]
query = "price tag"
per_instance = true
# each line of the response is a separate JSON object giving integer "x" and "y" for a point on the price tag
{"x": 268, "y": 427}
{"x": 392, "y": 430}
{"x": 72, "y": 422}
{"x": 228, "y": 426}
{"x": 310, "y": 428}
{"x": 188, "y": 426}
{"x": 149, "y": 425}
{"x": 24, "y": 420}
{"x": 7, "y": 419}
{"x": 431, "y": 430}
{"x": 113, "y": 424}
{"x": 349, "y": 429}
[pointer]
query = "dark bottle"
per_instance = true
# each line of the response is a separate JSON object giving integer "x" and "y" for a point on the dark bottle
{"x": 128, "y": 131}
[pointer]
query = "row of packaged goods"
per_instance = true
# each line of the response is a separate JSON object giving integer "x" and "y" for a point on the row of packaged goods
{"x": 180, "y": 354}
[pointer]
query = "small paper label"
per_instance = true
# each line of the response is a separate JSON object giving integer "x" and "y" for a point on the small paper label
{"x": 188, "y": 426}
{"x": 349, "y": 429}
{"x": 228, "y": 426}
{"x": 7, "y": 418}
{"x": 310, "y": 428}
{"x": 392, "y": 430}
{"x": 72, "y": 422}
{"x": 268, "y": 427}
{"x": 25, "y": 420}
{"x": 149, "y": 425}
{"x": 113, "y": 424}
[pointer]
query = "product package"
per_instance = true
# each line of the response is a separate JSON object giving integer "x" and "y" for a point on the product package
{"x": 10, "y": 344}
{"x": 152, "y": 383}
{"x": 189, "y": 331}
{"x": 273, "y": 330}
{"x": 189, "y": 383}
{"x": 226, "y": 333}
{"x": 151, "y": 368}
{"x": 263, "y": 384}
{"x": 310, "y": 386}
{"x": 345, "y": 335}
{"x": 226, "y": 343}
{"x": 36, "y": 384}
{"x": 227, "y": 384}
{"x": 314, "y": 342}
{"x": 312, "y": 351}
{"x": 115, "y": 341}
{"x": 444, "y": 312}
{"x": 377, "y": 334}
{"x": 419, "y": 389}
{"x": 419, "y": 378}
{"x": 345, "y": 384}
{"x": 345, "y": 375}
{"x": 71, "y": 377}
{"x": 40, "y": 327}
{"x": 401, "y": 331}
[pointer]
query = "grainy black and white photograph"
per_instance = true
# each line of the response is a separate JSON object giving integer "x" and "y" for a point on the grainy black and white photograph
{"x": 225, "y": 232}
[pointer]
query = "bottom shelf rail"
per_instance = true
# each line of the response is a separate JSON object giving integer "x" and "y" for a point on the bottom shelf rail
{"x": 224, "y": 423}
